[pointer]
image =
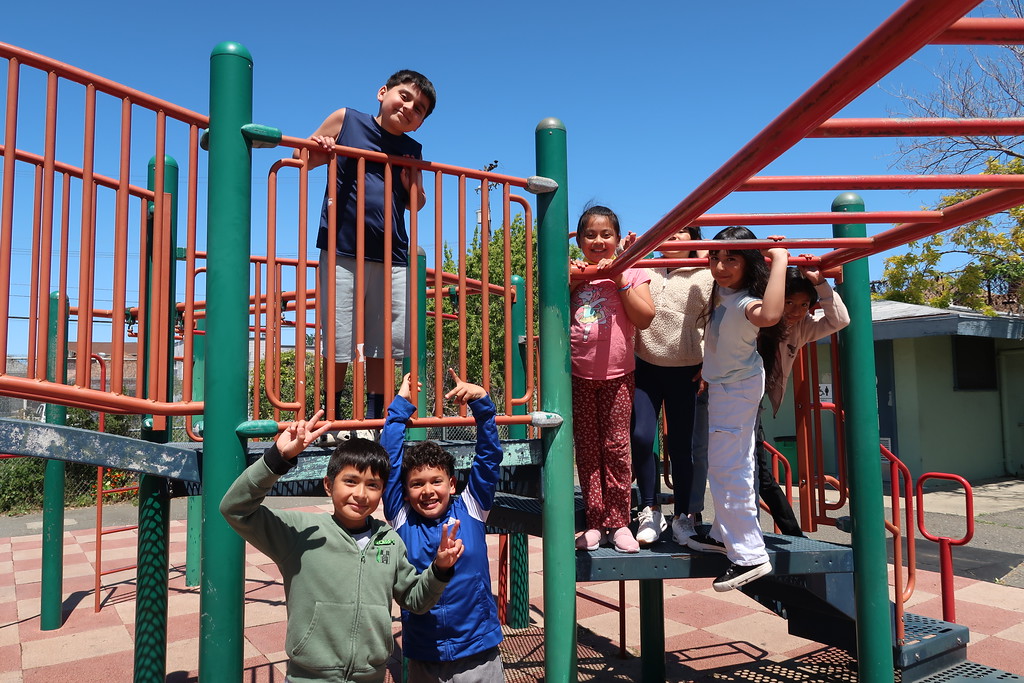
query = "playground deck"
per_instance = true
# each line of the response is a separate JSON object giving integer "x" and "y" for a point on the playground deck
{"x": 709, "y": 636}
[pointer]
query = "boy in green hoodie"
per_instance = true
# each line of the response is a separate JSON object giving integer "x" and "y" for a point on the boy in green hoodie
{"x": 353, "y": 566}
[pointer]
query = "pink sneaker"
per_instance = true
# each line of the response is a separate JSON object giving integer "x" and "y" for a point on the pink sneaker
{"x": 589, "y": 539}
{"x": 624, "y": 542}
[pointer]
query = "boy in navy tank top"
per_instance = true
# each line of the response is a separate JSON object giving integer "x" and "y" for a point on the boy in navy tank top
{"x": 405, "y": 101}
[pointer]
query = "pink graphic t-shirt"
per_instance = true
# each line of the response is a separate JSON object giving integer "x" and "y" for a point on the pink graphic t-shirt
{"x": 600, "y": 333}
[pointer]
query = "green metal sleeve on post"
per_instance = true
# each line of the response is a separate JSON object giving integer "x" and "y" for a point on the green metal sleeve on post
{"x": 194, "y": 532}
{"x": 51, "y": 596}
{"x": 228, "y": 248}
{"x": 857, "y": 355}
{"x": 154, "y": 505}
{"x": 519, "y": 553}
{"x": 556, "y": 394}
{"x": 420, "y": 433}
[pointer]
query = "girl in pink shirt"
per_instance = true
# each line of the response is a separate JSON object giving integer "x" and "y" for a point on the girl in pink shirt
{"x": 605, "y": 313}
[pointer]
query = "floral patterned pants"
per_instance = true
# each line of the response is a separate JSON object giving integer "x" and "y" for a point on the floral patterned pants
{"x": 600, "y": 418}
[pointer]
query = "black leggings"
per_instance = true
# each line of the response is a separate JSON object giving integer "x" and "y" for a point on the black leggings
{"x": 769, "y": 490}
{"x": 673, "y": 386}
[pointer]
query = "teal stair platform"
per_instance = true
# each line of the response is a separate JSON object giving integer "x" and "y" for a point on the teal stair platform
{"x": 811, "y": 586}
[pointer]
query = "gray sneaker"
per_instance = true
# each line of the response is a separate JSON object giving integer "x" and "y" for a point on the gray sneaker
{"x": 682, "y": 529}
{"x": 652, "y": 526}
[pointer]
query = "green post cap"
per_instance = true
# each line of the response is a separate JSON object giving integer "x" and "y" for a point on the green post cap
{"x": 169, "y": 161}
{"x": 256, "y": 428}
{"x": 263, "y": 137}
{"x": 551, "y": 123}
{"x": 848, "y": 201}
{"x": 229, "y": 47}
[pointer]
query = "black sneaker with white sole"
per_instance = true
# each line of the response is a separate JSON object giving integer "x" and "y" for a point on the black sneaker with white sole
{"x": 705, "y": 543}
{"x": 736, "y": 576}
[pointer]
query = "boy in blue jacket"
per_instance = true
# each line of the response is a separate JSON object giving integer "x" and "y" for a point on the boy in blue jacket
{"x": 457, "y": 640}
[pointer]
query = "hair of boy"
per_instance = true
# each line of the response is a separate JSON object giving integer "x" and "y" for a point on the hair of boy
{"x": 796, "y": 283}
{"x": 589, "y": 212}
{"x": 426, "y": 454}
{"x": 362, "y": 454}
{"x": 417, "y": 79}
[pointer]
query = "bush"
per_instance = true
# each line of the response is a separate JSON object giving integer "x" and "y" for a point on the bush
{"x": 21, "y": 485}
{"x": 21, "y": 479}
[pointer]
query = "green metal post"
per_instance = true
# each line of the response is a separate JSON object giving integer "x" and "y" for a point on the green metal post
{"x": 52, "y": 578}
{"x": 519, "y": 352}
{"x": 857, "y": 358}
{"x": 652, "y": 630}
{"x": 556, "y": 394}
{"x": 519, "y": 552}
{"x": 420, "y": 433}
{"x": 227, "y": 286}
{"x": 194, "y": 510}
{"x": 154, "y": 504}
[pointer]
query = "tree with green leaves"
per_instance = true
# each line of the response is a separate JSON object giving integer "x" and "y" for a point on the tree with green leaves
{"x": 473, "y": 259}
{"x": 988, "y": 271}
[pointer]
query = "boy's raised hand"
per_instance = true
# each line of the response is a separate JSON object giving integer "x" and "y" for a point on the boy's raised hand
{"x": 405, "y": 391}
{"x": 450, "y": 549}
{"x": 464, "y": 392}
{"x": 299, "y": 434}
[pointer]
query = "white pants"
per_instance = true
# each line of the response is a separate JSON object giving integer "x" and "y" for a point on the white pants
{"x": 732, "y": 414}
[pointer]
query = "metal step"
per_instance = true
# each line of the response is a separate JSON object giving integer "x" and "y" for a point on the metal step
{"x": 967, "y": 672}
{"x": 929, "y": 646}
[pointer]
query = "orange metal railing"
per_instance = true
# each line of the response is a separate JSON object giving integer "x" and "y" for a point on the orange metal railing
{"x": 69, "y": 204}
{"x": 280, "y": 282}
{"x": 92, "y": 228}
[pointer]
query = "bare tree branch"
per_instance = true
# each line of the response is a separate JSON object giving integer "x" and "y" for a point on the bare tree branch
{"x": 972, "y": 83}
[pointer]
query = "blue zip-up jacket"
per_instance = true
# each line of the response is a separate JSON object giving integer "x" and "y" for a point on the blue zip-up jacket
{"x": 464, "y": 621}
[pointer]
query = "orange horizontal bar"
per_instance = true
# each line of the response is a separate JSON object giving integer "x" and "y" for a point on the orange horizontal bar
{"x": 119, "y": 569}
{"x": 75, "y": 172}
{"x": 104, "y": 85}
{"x": 974, "y": 181}
{"x": 91, "y": 399}
{"x": 432, "y": 166}
{"x": 982, "y": 31}
{"x": 815, "y": 218}
{"x": 924, "y": 127}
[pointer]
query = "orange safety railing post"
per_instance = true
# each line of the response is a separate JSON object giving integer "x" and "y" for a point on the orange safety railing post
{"x": 945, "y": 543}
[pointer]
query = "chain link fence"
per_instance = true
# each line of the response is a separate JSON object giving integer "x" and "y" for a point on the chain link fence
{"x": 21, "y": 478}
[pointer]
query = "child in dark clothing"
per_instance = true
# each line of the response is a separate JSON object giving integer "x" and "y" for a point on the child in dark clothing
{"x": 457, "y": 640}
{"x": 406, "y": 100}
{"x": 337, "y": 630}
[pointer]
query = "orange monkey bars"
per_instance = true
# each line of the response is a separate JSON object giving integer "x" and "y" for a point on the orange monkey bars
{"x": 915, "y": 24}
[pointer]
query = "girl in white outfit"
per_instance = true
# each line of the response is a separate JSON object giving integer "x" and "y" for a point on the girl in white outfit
{"x": 747, "y": 296}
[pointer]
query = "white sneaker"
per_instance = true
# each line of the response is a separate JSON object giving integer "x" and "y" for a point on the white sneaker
{"x": 652, "y": 526}
{"x": 682, "y": 529}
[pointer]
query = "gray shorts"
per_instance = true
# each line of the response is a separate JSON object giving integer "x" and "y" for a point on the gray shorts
{"x": 344, "y": 320}
{"x": 484, "y": 667}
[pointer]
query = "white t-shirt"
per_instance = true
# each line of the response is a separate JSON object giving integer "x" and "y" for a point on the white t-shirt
{"x": 730, "y": 343}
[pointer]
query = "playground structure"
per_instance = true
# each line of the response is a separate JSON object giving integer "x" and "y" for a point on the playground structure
{"x": 256, "y": 295}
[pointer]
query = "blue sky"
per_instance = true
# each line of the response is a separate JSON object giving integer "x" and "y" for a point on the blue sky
{"x": 655, "y": 96}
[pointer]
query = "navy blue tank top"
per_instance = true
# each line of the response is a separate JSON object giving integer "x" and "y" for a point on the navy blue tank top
{"x": 361, "y": 131}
